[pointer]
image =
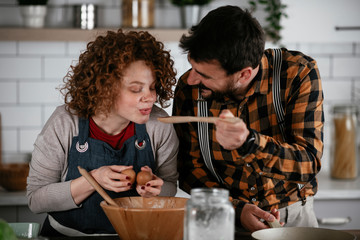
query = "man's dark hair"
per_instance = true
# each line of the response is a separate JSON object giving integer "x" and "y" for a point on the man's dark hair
{"x": 229, "y": 35}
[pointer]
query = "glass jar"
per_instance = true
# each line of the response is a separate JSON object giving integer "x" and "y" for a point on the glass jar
{"x": 138, "y": 13}
{"x": 344, "y": 142}
{"x": 209, "y": 215}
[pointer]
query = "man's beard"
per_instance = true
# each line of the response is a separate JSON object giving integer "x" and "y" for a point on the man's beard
{"x": 219, "y": 96}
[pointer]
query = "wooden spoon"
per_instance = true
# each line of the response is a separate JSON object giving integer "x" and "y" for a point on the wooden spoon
{"x": 185, "y": 119}
{"x": 97, "y": 187}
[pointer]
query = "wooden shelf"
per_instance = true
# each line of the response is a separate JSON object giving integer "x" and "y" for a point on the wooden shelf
{"x": 72, "y": 34}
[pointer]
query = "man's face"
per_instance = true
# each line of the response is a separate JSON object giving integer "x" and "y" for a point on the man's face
{"x": 212, "y": 78}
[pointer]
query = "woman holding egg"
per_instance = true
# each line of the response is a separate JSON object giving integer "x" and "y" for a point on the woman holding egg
{"x": 108, "y": 125}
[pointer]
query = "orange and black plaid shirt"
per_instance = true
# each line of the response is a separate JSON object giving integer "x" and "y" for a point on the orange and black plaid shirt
{"x": 267, "y": 176}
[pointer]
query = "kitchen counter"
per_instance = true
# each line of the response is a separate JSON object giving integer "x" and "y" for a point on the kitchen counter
{"x": 331, "y": 189}
{"x": 12, "y": 198}
{"x": 238, "y": 236}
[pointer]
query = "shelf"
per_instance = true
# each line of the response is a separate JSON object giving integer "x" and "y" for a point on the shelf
{"x": 69, "y": 34}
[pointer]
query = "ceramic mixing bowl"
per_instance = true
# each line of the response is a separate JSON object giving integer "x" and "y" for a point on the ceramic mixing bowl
{"x": 147, "y": 218}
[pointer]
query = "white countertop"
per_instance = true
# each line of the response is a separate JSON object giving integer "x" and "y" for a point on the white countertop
{"x": 329, "y": 189}
{"x": 12, "y": 198}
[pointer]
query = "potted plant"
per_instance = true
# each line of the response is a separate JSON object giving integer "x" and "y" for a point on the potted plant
{"x": 190, "y": 11}
{"x": 33, "y": 12}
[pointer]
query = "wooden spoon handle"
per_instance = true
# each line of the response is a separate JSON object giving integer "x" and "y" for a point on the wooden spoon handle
{"x": 97, "y": 187}
{"x": 185, "y": 119}
{"x": 274, "y": 224}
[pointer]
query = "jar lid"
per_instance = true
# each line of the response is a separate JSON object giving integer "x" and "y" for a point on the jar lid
{"x": 346, "y": 108}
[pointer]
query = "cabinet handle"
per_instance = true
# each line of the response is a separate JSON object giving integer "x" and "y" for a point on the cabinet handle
{"x": 334, "y": 220}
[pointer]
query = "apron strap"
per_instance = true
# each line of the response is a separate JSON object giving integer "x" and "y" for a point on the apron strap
{"x": 83, "y": 130}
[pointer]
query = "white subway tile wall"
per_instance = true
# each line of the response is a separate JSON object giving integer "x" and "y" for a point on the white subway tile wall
{"x": 31, "y": 72}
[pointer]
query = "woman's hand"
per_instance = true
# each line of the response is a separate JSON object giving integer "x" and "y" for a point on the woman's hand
{"x": 111, "y": 178}
{"x": 152, "y": 188}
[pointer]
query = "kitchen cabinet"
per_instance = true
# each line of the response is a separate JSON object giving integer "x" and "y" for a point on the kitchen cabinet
{"x": 20, "y": 214}
{"x": 337, "y": 200}
{"x": 14, "y": 208}
{"x": 338, "y": 214}
{"x": 72, "y": 34}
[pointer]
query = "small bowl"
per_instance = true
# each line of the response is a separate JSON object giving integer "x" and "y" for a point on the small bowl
{"x": 25, "y": 230}
{"x": 160, "y": 218}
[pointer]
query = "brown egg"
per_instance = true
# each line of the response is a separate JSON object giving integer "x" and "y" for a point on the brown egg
{"x": 143, "y": 177}
{"x": 130, "y": 173}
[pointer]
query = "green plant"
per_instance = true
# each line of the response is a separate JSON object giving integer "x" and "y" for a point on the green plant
{"x": 32, "y": 2}
{"x": 189, "y": 2}
{"x": 275, "y": 11}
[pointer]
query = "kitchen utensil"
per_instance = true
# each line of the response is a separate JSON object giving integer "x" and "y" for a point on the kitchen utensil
{"x": 274, "y": 224}
{"x": 85, "y": 16}
{"x": 301, "y": 233}
{"x": 138, "y": 13}
{"x": 135, "y": 218}
{"x": 185, "y": 119}
{"x": 97, "y": 187}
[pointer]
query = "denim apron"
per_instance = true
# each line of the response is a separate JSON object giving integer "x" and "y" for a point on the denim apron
{"x": 91, "y": 154}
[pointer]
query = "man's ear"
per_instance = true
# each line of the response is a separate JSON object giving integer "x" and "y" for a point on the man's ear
{"x": 244, "y": 75}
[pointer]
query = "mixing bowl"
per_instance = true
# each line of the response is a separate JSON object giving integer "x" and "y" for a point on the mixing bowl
{"x": 147, "y": 218}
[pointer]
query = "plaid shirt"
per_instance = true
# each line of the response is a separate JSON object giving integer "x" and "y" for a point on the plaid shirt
{"x": 267, "y": 176}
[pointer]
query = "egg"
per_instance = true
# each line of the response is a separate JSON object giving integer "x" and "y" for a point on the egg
{"x": 130, "y": 173}
{"x": 143, "y": 177}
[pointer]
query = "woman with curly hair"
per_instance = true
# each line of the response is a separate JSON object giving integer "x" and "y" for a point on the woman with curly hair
{"x": 108, "y": 124}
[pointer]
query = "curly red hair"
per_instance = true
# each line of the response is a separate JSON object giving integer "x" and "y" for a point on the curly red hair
{"x": 91, "y": 86}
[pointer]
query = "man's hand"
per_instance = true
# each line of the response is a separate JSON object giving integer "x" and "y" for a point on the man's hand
{"x": 230, "y": 135}
{"x": 251, "y": 216}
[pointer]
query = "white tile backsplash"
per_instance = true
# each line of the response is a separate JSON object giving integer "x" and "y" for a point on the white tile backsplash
{"x": 20, "y": 116}
{"x": 357, "y": 48}
{"x": 29, "y": 92}
{"x": 27, "y": 139}
{"x": 7, "y": 47}
{"x": 337, "y": 90}
{"x": 42, "y": 48}
{"x": 30, "y": 72}
{"x": 347, "y": 66}
{"x": 8, "y": 93}
{"x": 324, "y": 66}
{"x": 76, "y": 48}
{"x": 20, "y": 67}
{"x": 327, "y": 48}
{"x": 9, "y": 140}
{"x": 57, "y": 67}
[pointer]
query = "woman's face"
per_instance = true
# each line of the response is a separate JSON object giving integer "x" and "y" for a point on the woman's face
{"x": 136, "y": 94}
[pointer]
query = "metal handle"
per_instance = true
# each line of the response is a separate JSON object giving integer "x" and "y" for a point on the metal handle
{"x": 334, "y": 220}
